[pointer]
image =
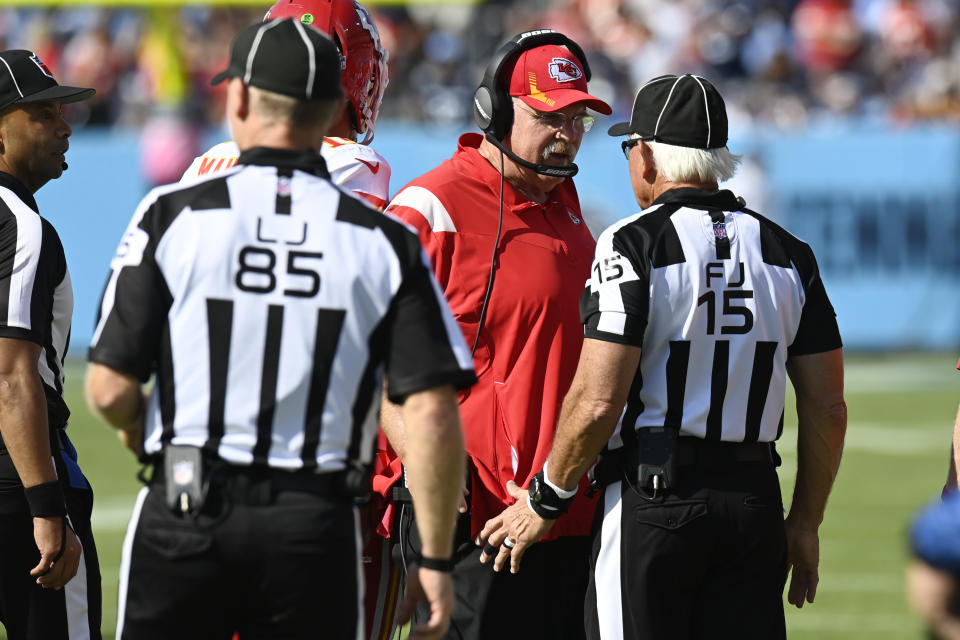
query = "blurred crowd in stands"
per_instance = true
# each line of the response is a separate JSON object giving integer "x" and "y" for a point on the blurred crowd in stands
{"x": 780, "y": 63}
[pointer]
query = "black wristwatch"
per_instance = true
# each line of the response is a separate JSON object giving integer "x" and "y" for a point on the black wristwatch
{"x": 544, "y": 500}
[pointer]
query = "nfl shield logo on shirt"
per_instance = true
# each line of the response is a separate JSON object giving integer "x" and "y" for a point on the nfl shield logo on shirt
{"x": 283, "y": 187}
{"x": 720, "y": 230}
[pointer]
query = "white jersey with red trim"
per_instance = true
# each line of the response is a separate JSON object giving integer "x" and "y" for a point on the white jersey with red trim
{"x": 354, "y": 167}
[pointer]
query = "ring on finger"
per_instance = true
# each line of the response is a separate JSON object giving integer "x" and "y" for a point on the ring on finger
{"x": 508, "y": 543}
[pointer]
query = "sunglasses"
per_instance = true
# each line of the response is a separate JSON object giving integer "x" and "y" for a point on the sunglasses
{"x": 627, "y": 145}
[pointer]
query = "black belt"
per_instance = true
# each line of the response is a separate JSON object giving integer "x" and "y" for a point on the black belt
{"x": 619, "y": 464}
{"x": 687, "y": 452}
{"x": 694, "y": 451}
{"x": 240, "y": 479}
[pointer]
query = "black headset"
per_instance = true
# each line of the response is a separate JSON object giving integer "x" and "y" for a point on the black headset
{"x": 493, "y": 111}
{"x": 492, "y": 106}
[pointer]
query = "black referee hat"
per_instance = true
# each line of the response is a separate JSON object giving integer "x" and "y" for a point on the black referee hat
{"x": 285, "y": 57}
{"x": 24, "y": 78}
{"x": 686, "y": 111}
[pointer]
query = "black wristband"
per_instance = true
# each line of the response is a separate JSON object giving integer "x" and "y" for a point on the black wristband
{"x": 446, "y": 566}
{"x": 46, "y": 500}
{"x": 544, "y": 500}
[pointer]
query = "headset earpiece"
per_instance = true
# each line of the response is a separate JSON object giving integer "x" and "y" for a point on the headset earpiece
{"x": 483, "y": 107}
{"x": 493, "y": 112}
{"x": 492, "y": 107}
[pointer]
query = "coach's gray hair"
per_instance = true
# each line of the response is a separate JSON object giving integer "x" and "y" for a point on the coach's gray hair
{"x": 275, "y": 108}
{"x": 685, "y": 164}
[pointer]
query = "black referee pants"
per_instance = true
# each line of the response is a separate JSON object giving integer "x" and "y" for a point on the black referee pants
{"x": 706, "y": 559}
{"x": 543, "y": 601}
{"x": 27, "y": 610}
{"x": 271, "y": 565}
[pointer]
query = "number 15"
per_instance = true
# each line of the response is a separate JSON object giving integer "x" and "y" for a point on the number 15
{"x": 729, "y": 309}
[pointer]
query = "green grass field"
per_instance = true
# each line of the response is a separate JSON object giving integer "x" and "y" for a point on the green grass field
{"x": 901, "y": 410}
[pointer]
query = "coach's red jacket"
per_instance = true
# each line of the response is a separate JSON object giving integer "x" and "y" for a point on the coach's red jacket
{"x": 531, "y": 338}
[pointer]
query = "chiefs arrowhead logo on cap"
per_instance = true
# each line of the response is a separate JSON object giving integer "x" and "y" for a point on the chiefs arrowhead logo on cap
{"x": 43, "y": 67}
{"x": 549, "y": 78}
{"x": 563, "y": 70}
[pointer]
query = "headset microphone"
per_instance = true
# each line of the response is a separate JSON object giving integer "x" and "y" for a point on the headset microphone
{"x": 63, "y": 165}
{"x": 493, "y": 112}
{"x": 567, "y": 171}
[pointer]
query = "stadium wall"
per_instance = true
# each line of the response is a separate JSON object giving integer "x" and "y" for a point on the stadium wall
{"x": 880, "y": 208}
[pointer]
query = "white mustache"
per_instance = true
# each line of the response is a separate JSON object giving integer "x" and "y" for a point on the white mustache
{"x": 559, "y": 147}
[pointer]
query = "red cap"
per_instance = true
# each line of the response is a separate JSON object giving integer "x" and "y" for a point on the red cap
{"x": 549, "y": 78}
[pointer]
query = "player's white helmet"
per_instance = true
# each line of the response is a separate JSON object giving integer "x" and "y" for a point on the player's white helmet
{"x": 363, "y": 61}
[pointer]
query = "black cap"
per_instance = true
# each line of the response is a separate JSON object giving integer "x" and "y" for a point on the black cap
{"x": 24, "y": 78}
{"x": 686, "y": 111}
{"x": 285, "y": 57}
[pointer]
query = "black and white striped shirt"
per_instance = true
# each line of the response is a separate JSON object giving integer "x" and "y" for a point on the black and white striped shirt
{"x": 36, "y": 296}
{"x": 269, "y": 304}
{"x": 718, "y": 298}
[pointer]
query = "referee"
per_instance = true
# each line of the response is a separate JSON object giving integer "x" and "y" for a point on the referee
{"x": 269, "y": 304}
{"x": 49, "y": 575}
{"x": 696, "y": 312}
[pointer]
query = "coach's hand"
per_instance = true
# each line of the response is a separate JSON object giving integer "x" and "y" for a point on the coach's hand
{"x": 49, "y": 534}
{"x": 803, "y": 560}
{"x": 515, "y": 530}
{"x": 436, "y": 589}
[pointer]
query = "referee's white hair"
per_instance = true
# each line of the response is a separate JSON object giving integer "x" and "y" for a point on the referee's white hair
{"x": 686, "y": 164}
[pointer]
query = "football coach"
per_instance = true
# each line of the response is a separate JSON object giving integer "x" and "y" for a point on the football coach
{"x": 269, "y": 304}
{"x": 697, "y": 312}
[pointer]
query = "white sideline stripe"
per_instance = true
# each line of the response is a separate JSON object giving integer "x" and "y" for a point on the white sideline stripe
{"x": 112, "y": 514}
{"x": 873, "y": 438}
{"x": 889, "y": 625}
{"x": 904, "y": 375}
{"x": 859, "y": 582}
